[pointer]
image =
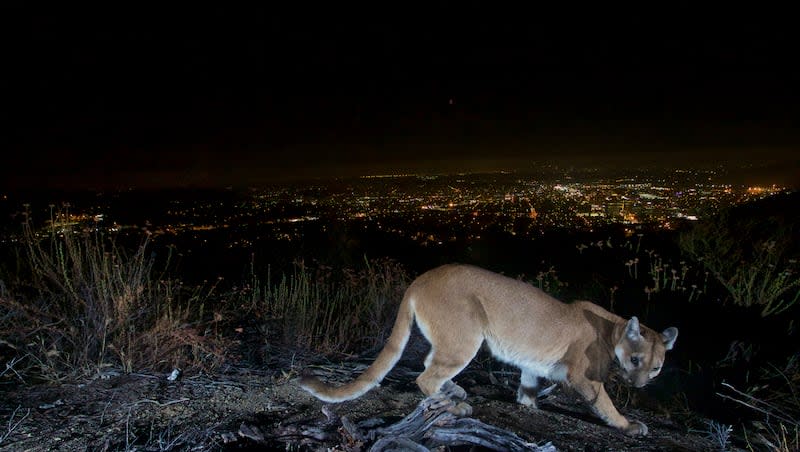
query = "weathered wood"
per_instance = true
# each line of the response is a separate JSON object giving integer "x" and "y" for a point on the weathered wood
{"x": 353, "y": 430}
{"x": 431, "y": 425}
{"x": 251, "y": 432}
{"x": 398, "y": 444}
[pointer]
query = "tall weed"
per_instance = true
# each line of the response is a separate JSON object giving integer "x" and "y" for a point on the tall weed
{"x": 331, "y": 310}
{"x": 92, "y": 304}
{"x": 758, "y": 271}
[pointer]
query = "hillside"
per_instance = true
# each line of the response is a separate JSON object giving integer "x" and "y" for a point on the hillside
{"x": 89, "y": 332}
{"x": 145, "y": 411}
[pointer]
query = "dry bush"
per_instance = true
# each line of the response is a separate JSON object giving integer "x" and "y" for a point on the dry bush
{"x": 90, "y": 304}
{"x": 752, "y": 258}
{"x": 331, "y": 310}
{"x": 775, "y": 402}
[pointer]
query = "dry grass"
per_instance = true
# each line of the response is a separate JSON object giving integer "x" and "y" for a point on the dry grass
{"x": 760, "y": 271}
{"x": 91, "y": 305}
{"x": 333, "y": 310}
{"x": 776, "y": 401}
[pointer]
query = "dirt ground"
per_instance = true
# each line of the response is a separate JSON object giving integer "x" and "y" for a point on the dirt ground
{"x": 242, "y": 408}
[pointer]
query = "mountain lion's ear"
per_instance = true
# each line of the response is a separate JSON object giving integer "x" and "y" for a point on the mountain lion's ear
{"x": 632, "y": 330}
{"x": 669, "y": 335}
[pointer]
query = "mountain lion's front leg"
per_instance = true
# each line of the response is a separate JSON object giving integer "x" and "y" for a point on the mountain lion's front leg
{"x": 595, "y": 393}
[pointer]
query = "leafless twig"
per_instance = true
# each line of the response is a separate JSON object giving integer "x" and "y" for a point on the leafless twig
{"x": 103, "y": 414}
{"x": 758, "y": 405}
{"x": 156, "y": 402}
{"x": 10, "y": 367}
{"x": 13, "y": 425}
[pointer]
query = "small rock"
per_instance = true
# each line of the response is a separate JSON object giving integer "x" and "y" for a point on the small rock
{"x": 174, "y": 375}
{"x": 228, "y": 437}
{"x": 47, "y": 406}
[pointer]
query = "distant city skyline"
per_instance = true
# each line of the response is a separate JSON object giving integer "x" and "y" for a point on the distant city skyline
{"x": 472, "y": 201}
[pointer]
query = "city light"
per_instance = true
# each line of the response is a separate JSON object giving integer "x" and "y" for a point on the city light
{"x": 436, "y": 209}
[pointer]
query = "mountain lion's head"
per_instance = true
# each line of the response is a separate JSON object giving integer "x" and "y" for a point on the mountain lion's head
{"x": 640, "y": 352}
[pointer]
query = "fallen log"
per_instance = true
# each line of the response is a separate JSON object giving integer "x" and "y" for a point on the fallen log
{"x": 432, "y": 425}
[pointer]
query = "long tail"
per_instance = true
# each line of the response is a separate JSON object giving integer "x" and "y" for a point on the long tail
{"x": 385, "y": 361}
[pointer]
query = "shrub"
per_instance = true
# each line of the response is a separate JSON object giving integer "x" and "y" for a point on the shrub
{"x": 751, "y": 257}
{"x": 91, "y": 304}
{"x": 334, "y": 311}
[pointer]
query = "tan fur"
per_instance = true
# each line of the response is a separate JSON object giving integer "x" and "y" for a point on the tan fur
{"x": 459, "y": 307}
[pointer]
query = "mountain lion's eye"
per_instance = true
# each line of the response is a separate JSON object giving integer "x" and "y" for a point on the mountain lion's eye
{"x": 635, "y": 360}
{"x": 656, "y": 369}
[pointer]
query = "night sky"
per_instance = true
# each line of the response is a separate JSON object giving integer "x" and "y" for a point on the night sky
{"x": 214, "y": 96}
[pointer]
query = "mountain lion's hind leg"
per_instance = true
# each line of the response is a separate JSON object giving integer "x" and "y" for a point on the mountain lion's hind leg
{"x": 445, "y": 361}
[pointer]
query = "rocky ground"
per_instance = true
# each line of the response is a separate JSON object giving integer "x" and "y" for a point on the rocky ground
{"x": 247, "y": 408}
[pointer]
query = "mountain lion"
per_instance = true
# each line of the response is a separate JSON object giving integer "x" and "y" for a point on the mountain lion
{"x": 458, "y": 307}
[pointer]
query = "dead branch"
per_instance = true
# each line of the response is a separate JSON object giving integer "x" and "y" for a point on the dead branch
{"x": 12, "y": 424}
{"x": 431, "y": 425}
{"x": 757, "y": 405}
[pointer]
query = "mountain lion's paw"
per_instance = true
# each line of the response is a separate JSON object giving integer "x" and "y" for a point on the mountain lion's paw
{"x": 453, "y": 391}
{"x": 525, "y": 398}
{"x": 461, "y": 409}
{"x": 636, "y": 428}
